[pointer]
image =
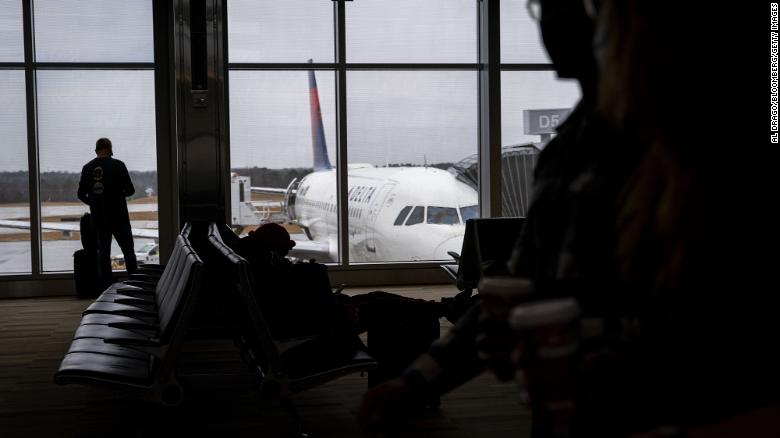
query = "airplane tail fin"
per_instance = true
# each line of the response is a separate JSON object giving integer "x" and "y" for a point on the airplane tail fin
{"x": 319, "y": 148}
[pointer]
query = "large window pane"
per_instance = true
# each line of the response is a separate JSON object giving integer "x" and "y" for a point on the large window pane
{"x": 75, "y": 108}
{"x": 520, "y": 38}
{"x": 405, "y": 131}
{"x": 93, "y": 31}
{"x": 272, "y": 144}
{"x": 11, "y": 37}
{"x": 533, "y": 104}
{"x": 280, "y": 31}
{"x": 412, "y": 31}
{"x": 14, "y": 180}
{"x": 523, "y": 91}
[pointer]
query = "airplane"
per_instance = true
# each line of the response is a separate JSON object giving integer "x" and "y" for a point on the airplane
{"x": 399, "y": 213}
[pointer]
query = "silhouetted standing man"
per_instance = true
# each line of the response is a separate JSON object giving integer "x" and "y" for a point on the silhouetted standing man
{"x": 103, "y": 186}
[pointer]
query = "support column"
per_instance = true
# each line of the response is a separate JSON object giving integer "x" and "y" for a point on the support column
{"x": 489, "y": 108}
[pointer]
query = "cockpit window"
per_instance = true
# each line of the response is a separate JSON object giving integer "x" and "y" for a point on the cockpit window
{"x": 402, "y": 215}
{"x": 469, "y": 212}
{"x": 443, "y": 215}
{"x": 417, "y": 216}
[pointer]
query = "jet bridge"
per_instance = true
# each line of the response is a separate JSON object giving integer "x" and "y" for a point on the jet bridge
{"x": 517, "y": 172}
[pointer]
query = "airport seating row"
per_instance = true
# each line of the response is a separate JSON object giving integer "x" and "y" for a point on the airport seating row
{"x": 131, "y": 335}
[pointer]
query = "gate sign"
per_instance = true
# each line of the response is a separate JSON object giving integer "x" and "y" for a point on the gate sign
{"x": 540, "y": 122}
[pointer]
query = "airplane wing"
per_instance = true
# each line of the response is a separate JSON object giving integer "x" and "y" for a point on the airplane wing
{"x": 311, "y": 249}
{"x": 65, "y": 227}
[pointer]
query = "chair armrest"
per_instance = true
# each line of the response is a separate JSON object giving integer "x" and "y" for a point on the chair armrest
{"x": 152, "y": 348}
{"x": 135, "y": 292}
{"x": 140, "y": 283}
{"x": 452, "y": 271}
{"x": 137, "y": 301}
{"x": 144, "y": 277}
{"x": 140, "y": 325}
{"x": 150, "y": 273}
{"x": 127, "y": 342}
{"x": 121, "y": 309}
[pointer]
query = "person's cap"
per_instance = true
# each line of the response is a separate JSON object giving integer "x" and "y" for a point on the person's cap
{"x": 273, "y": 235}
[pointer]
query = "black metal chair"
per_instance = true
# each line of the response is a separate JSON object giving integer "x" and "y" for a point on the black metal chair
{"x": 487, "y": 246}
{"x": 136, "y": 347}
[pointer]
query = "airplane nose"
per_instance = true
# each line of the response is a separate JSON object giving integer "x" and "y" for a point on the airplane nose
{"x": 453, "y": 244}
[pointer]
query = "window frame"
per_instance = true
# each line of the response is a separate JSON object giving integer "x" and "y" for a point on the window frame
{"x": 487, "y": 65}
{"x": 39, "y": 282}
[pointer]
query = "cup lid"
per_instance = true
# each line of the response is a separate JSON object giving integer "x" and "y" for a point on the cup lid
{"x": 505, "y": 287}
{"x": 542, "y": 313}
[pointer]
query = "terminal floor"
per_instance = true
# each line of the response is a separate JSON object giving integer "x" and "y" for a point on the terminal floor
{"x": 221, "y": 399}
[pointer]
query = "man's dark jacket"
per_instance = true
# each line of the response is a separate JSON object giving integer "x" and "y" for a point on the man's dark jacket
{"x": 104, "y": 185}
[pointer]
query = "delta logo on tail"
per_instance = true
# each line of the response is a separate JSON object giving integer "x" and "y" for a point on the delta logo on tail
{"x": 321, "y": 161}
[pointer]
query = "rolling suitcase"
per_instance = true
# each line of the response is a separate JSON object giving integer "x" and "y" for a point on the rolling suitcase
{"x": 85, "y": 264}
{"x": 86, "y": 274}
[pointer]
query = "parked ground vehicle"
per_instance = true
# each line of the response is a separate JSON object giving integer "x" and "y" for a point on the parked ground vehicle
{"x": 148, "y": 253}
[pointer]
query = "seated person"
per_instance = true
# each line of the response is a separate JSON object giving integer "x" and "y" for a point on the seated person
{"x": 299, "y": 302}
{"x": 298, "y": 294}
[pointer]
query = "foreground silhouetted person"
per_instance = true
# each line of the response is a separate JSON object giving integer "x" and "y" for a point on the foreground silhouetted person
{"x": 703, "y": 322}
{"x": 642, "y": 241}
{"x": 104, "y": 185}
{"x": 565, "y": 248}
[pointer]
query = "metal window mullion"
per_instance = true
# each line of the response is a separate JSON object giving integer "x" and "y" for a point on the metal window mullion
{"x": 281, "y": 66}
{"x": 413, "y": 66}
{"x": 352, "y": 66}
{"x": 527, "y": 67}
{"x": 93, "y": 65}
{"x": 32, "y": 141}
{"x": 488, "y": 16}
{"x": 341, "y": 132}
{"x": 165, "y": 126}
{"x": 224, "y": 120}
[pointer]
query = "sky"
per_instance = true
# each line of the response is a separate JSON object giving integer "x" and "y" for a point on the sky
{"x": 393, "y": 117}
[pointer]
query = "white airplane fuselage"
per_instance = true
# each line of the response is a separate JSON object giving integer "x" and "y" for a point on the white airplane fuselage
{"x": 377, "y": 197}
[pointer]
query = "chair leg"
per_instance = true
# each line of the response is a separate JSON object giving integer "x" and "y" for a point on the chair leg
{"x": 288, "y": 406}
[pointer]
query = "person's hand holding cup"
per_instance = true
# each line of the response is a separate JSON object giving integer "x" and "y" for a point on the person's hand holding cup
{"x": 548, "y": 337}
{"x": 496, "y": 340}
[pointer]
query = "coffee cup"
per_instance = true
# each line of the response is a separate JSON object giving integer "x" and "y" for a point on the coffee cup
{"x": 548, "y": 339}
{"x": 496, "y": 340}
